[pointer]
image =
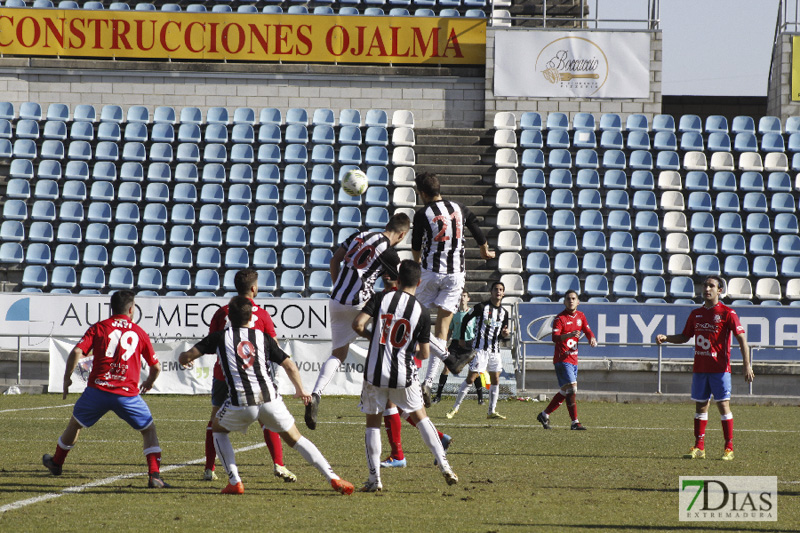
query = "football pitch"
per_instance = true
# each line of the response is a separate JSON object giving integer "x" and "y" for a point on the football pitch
{"x": 620, "y": 475}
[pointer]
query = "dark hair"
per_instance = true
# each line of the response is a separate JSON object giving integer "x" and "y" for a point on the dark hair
{"x": 491, "y": 287}
{"x": 428, "y": 183}
{"x": 240, "y": 310}
{"x": 720, "y": 282}
{"x": 573, "y": 291}
{"x": 409, "y": 273}
{"x": 399, "y": 223}
{"x": 244, "y": 279}
{"x": 121, "y": 301}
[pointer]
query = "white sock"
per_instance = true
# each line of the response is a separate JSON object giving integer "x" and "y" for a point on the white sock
{"x": 433, "y": 370}
{"x": 494, "y": 392}
{"x": 313, "y": 457}
{"x": 372, "y": 444}
{"x": 431, "y": 439}
{"x": 226, "y": 454}
{"x": 462, "y": 393}
{"x": 329, "y": 369}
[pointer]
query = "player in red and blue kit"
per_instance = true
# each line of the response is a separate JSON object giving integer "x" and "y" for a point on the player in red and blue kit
{"x": 711, "y": 326}
{"x": 567, "y": 328}
{"x": 117, "y": 345}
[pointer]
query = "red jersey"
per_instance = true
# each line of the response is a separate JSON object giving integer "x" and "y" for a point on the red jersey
{"x": 711, "y": 329}
{"x": 567, "y": 350}
{"x": 260, "y": 321}
{"x": 117, "y": 346}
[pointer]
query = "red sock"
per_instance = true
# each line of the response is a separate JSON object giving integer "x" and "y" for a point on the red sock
{"x": 153, "y": 462}
{"x": 572, "y": 407}
{"x": 408, "y": 419}
{"x": 393, "y": 431}
{"x": 554, "y": 403}
{"x": 700, "y": 433}
{"x": 727, "y": 432}
{"x": 211, "y": 452}
{"x": 60, "y": 455}
{"x": 273, "y": 441}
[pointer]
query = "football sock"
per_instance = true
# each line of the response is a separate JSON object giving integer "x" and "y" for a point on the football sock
{"x": 153, "y": 456}
{"x": 211, "y": 453}
{"x": 273, "y": 441}
{"x": 700, "y": 422}
{"x": 439, "y": 351}
{"x": 462, "y": 393}
{"x": 372, "y": 445}
{"x": 727, "y": 430}
{"x": 429, "y": 436}
{"x": 554, "y": 403}
{"x": 61, "y": 452}
{"x": 572, "y": 407}
{"x": 393, "y": 432}
{"x": 479, "y": 388}
{"x": 433, "y": 368}
{"x": 494, "y": 392}
{"x": 442, "y": 380}
{"x": 329, "y": 369}
{"x": 226, "y": 454}
{"x": 410, "y": 421}
{"x": 315, "y": 458}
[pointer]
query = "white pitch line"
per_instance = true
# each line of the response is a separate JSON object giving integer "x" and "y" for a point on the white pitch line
{"x": 106, "y": 481}
{"x": 35, "y": 408}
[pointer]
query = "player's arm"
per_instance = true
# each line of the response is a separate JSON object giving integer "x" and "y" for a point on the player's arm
{"x": 294, "y": 376}
{"x": 360, "y": 324}
{"x": 589, "y": 334}
{"x": 672, "y": 339}
{"x": 152, "y": 376}
{"x": 418, "y": 226}
{"x": 336, "y": 262}
{"x": 423, "y": 351}
{"x": 748, "y": 369}
{"x": 471, "y": 221}
{"x": 186, "y": 358}
{"x": 72, "y": 361}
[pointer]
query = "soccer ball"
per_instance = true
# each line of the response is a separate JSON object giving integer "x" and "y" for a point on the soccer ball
{"x": 355, "y": 182}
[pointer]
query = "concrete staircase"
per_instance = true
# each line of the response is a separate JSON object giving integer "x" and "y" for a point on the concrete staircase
{"x": 464, "y": 161}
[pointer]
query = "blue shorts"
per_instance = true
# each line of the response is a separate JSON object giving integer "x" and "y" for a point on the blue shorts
{"x": 706, "y": 384}
{"x": 566, "y": 373}
{"x": 94, "y": 403}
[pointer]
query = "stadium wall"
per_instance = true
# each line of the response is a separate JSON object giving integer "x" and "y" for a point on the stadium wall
{"x": 779, "y": 92}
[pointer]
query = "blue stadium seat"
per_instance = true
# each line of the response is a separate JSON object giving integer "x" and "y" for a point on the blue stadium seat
{"x": 716, "y": 123}
{"x": 707, "y": 265}
{"x": 567, "y": 282}
{"x": 644, "y": 200}
{"x": 131, "y": 151}
{"x": 189, "y": 133}
{"x": 558, "y": 158}
{"x": 120, "y": 278}
{"x": 648, "y": 242}
{"x": 733, "y": 244}
{"x": 786, "y": 223}
{"x": 63, "y": 279}
{"x": 123, "y": 255}
{"x": 587, "y": 179}
{"x": 681, "y": 287}
{"x": 539, "y": 285}
{"x": 535, "y": 219}
{"x": 68, "y": 254}
{"x": 38, "y": 231}
{"x": 557, "y": 121}
{"x": 614, "y": 159}
{"x": 701, "y": 201}
{"x": 638, "y": 140}
{"x": 751, "y": 182}
{"x": 619, "y": 220}
{"x": 625, "y": 286}
{"x": 590, "y": 219}
{"x": 533, "y": 177}
{"x": 149, "y": 279}
{"x": 593, "y": 241}
{"x": 562, "y": 199}
{"x": 539, "y": 263}
{"x": 586, "y": 158}
{"x": 537, "y": 241}
{"x": 565, "y": 241}
{"x": 530, "y": 120}
{"x": 789, "y": 245}
{"x": 292, "y": 281}
{"x": 349, "y": 117}
{"x": 702, "y": 221}
{"x": 641, "y": 160}
{"x": 761, "y": 244}
{"x": 637, "y": 122}
{"x": 617, "y": 199}
{"x": 135, "y": 132}
{"x": 782, "y": 202}
{"x": 772, "y": 142}
{"x": 180, "y": 257}
{"x": 127, "y": 212}
{"x": 646, "y": 221}
{"x": 558, "y": 138}
{"x": 243, "y": 134}
{"x": 154, "y": 235}
{"x": 321, "y": 237}
{"x": 651, "y": 264}
{"x": 236, "y": 258}
{"x": 705, "y": 243}
{"x": 663, "y": 123}
{"x": 297, "y": 116}
{"x": 107, "y": 131}
{"x": 178, "y": 279}
{"x": 563, "y": 219}
{"x": 611, "y": 140}
{"x": 207, "y": 280}
{"x": 620, "y": 241}
{"x": 790, "y": 267}
{"x": 754, "y": 202}
{"x": 293, "y": 236}
{"x": 642, "y": 179}
{"x": 654, "y": 287}
{"x": 779, "y": 182}
{"x": 765, "y": 267}
{"x": 531, "y": 139}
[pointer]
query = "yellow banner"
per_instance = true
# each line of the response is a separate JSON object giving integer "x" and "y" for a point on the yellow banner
{"x": 243, "y": 37}
{"x": 796, "y": 68}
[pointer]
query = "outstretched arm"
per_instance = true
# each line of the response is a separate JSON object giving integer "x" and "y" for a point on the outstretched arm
{"x": 72, "y": 362}
{"x": 672, "y": 339}
{"x": 294, "y": 376}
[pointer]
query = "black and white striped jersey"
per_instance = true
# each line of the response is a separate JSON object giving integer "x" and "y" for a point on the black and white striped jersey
{"x": 244, "y": 355}
{"x": 399, "y": 323}
{"x": 438, "y": 233}
{"x": 369, "y": 254}
{"x": 490, "y": 321}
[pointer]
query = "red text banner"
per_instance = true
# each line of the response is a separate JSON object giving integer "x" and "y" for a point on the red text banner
{"x": 239, "y": 37}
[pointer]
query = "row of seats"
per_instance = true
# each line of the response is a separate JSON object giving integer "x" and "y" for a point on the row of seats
{"x": 532, "y": 120}
{"x": 212, "y": 133}
{"x": 693, "y": 180}
{"x": 214, "y": 115}
{"x": 176, "y": 282}
{"x": 644, "y": 160}
{"x": 642, "y": 140}
{"x": 243, "y": 7}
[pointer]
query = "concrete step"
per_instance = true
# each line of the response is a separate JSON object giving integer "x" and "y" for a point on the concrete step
{"x": 459, "y": 149}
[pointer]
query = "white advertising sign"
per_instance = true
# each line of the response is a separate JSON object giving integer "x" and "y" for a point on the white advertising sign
{"x": 40, "y": 316}
{"x": 572, "y": 64}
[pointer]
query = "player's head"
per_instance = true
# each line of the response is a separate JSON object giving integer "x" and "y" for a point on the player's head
{"x": 246, "y": 282}
{"x": 122, "y": 303}
{"x": 240, "y": 310}
{"x": 571, "y": 300}
{"x": 397, "y": 227}
{"x": 428, "y": 184}
{"x": 408, "y": 274}
{"x": 714, "y": 288}
{"x": 497, "y": 290}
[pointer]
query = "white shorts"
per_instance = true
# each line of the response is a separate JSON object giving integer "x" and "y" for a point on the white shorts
{"x": 373, "y": 399}
{"x": 486, "y": 361}
{"x": 342, "y": 317}
{"x": 274, "y": 415}
{"x": 441, "y": 290}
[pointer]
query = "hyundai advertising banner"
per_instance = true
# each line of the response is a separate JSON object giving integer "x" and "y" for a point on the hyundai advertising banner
{"x": 640, "y": 323}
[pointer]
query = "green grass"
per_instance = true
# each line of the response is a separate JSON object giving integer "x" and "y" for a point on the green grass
{"x": 620, "y": 475}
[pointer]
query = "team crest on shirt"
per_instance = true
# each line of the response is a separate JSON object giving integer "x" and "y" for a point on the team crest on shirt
{"x": 717, "y": 319}
{"x": 580, "y": 323}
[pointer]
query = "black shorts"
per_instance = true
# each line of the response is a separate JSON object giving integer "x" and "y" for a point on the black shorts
{"x": 219, "y": 392}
